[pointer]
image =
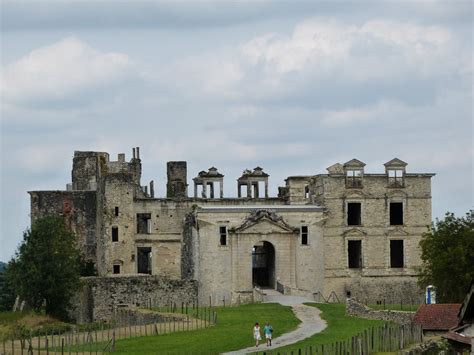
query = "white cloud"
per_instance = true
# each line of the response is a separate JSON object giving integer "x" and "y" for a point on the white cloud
{"x": 63, "y": 73}
{"x": 327, "y": 63}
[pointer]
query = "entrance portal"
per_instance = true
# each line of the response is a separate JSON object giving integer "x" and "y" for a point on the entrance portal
{"x": 263, "y": 265}
{"x": 144, "y": 260}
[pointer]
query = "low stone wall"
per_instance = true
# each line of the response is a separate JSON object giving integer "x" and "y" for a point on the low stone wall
{"x": 101, "y": 297}
{"x": 137, "y": 316}
{"x": 356, "y": 309}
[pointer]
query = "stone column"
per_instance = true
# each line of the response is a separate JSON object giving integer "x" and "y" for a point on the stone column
{"x": 266, "y": 188}
{"x": 221, "y": 188}
{"x": 195, "y": 189}
{"x": 204, "y": 189}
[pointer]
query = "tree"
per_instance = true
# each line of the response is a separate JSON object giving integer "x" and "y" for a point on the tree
{"x": 447, "y": 252}
{"x": 46, "y": 268}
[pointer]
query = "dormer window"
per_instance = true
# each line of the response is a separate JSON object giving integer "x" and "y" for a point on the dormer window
{"x": 354, "y": 178}
{"x": 395, "y": 170}
{"x": 395, "y": 178}
{"x": 354, "y": 171}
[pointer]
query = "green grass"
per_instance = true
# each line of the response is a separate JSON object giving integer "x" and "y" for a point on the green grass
{"x": 232, "y": 332}
{"x": 339, "y": 327}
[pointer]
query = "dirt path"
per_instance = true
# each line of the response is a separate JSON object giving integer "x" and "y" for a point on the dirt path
{"x": 311, "y": 322}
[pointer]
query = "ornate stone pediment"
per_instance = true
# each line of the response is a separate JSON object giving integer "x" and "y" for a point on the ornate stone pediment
{"x": 396, "y": 231}
{"x": 354, "y": 232}
{"x": 262, "y": 220}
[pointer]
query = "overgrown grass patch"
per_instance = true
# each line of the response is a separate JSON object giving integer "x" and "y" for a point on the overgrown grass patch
{"x": 233, "y": 331}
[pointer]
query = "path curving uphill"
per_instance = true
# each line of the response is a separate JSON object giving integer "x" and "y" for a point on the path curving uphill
{"x": 311, "y": 322}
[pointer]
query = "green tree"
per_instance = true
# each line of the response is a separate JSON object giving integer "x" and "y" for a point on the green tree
{"x": 7, "y": 292}
{"x": 447, "y": 252}
{"x": 46, "y": 268}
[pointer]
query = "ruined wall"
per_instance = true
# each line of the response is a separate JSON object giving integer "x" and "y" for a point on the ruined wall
{"x": 78, "y": 208}
{"x": 356, "y": 309}
{"x": 101, "y": 297}
{"x": 374, "y": 232}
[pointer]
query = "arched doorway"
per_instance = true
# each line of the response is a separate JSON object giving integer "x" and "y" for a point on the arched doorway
{"x": 263, "y": 265}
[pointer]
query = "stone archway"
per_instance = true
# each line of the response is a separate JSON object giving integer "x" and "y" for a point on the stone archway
{"x": 263, "y": 265}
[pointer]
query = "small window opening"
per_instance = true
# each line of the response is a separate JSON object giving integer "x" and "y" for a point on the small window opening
{"x": 144, "y": 257}
{"x": 354, "y": 251}
{"x": 223, "y": 235}
{"x": 353, "y": 178}
{"x": 354, "y": 214}
{"x": 396, "y": 213}
{"x": 144, "y": 223}
{"x": 304, "y": 235}
{"x": 116, "y": 212}
{"x": 306, "y": 191}
{"x": 115, "y": 236}
{"x": 116, "y": 269}
{"x": 395, "y": 178}
{"x": 396, "y": 253}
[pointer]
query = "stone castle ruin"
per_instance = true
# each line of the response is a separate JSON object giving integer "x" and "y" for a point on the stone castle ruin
{"x": 344, "y": 232}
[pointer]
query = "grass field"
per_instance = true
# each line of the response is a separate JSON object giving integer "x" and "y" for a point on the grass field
{"x": 339, "y": 327}
{"x": 233, "y": 331}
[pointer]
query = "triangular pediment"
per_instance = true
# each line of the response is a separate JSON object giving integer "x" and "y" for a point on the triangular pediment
{"x": 395, "y": 162}
{"x": 399, "y": 231}
{"x": 263, "y": 222}
{"x": 354, "y": 232}
{"x": 354, "y": 163}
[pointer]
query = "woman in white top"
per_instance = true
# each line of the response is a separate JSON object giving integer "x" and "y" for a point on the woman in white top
{"x": 256, "y": 334}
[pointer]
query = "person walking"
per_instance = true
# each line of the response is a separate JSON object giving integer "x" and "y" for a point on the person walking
{"x": 256, "y": 334}
{"x": 268, "y": 331}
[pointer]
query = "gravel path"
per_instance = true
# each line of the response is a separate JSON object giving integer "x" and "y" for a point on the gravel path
{"x": 311, "y": 322}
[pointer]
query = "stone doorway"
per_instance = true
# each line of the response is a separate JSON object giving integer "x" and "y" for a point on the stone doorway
{"x": 263, "y": 265}
{"x": 144, "y": 260}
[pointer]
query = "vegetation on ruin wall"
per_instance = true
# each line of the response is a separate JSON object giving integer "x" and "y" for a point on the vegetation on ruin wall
{"x": 45, "y": 271}
{"x": 232, "y": 332}
{"x": 447, "y": 251}
{"x": 339, "y": 327}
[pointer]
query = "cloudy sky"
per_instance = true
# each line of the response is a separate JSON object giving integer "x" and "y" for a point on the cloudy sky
{"x": 292, "y": 86}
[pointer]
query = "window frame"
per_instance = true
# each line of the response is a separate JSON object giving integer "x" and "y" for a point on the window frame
{"x": 304, "y": 235}
{"x": 223, "y": 236}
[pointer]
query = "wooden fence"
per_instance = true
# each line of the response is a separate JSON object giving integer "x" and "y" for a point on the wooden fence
{"x": 381, "y": 339}
{"x": 103, "y": 338}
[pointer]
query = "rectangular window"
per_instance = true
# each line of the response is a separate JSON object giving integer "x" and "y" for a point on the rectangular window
{"x": 223, "y": 235}
{"x": 396, "y": 213}
{"x": 304, "y": 235}
{"x": 354, "y": 214}
{"x": 354, "y": 253}
{"x": 144, "y": 223}
{"x": 396, "y": 253}
{"x": 395, "y": 178}
{"x": 353, "y": 178}
{"x": 306, "y": 191}
{"x": 116, "y": 211}
{"x": 115, "y": 234}
{"x": 116, "y": 269}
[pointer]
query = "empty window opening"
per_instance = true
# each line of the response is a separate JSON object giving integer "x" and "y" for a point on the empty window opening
{"x": 143, "y": 223}
{"x": 115, "y": 234}
{"x": 144, "y": 260}
{"x": 306, "y": 191}
{"x": 116, "y": 211}
{"x": 223, "y": 235}
{"x": 396, "y": 253}
{"x": 354, "y": 214}
{"x": 396, "y": 213}
{"x": 353, "y": 178}
{"x": 116, "y": 269}
{"x": 304, "y": 235}
{"x": 354, "y": 252}
{"x": 395, "y": 178}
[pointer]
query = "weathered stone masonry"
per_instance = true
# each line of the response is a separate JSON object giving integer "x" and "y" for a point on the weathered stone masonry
{"x": 347, "y": 231}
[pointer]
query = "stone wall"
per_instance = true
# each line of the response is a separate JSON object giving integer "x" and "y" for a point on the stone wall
{"x": 356, "y": 309}
{"x": 101, "y": 297}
